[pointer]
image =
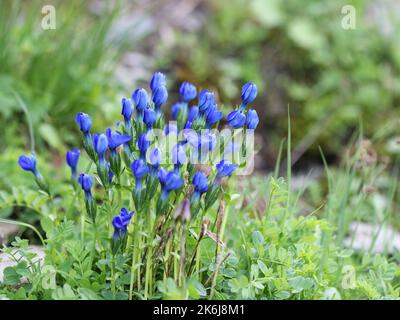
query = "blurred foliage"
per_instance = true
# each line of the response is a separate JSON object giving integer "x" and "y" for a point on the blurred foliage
{"x": 300, "y": 56}
{"x": 56, "y": 73}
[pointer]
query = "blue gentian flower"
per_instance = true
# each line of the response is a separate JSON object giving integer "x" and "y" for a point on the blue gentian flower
{"x": 187, "y": 91}
{"x": 236, "y": 119}
{"x": 120, "y": 224}
{"x": 169, "y": 181}
{"x": 176, "y": 108}
{"x": 206, "y": 101}
{"x": 225, "y": 169}
{"x": 200, "y": 184}
{"x": 178, "y": 156}
{"x": 115, "y": 139}
{"x": 127, "y": 111}
{"x": 157, "y": 80}
{"x": 84, "y": 122}
{"x": 28, "y": 163}
{"x": 101, "y": 149}
{"x": 160, "y": 96}
{"x": 101, "y": 146}
{"x": 86, "y": 182}
{"x": 139, "y": 169}
{"x": 252, "y": 119}
{"x": 155, "y": 158}
{"x": 143, "y": 145}
{"x": 150, "y": 116}
{"x": 192, "y": 114}
{"x": 249, "y": 93}
{"x": 213, "y": 116}
{"x": 72, "y": 158}
{"x": 140, "y": 97}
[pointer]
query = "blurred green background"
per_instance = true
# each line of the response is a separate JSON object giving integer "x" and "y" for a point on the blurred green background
{"x": 335, "y": 81}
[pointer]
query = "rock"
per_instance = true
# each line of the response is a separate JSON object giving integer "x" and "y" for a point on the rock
{"x": 6, "y": 230}
{"x": 387, "y": 238}
{"x": 6, "y": 261}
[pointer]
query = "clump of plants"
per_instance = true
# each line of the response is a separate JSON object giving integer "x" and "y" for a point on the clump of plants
{"x": 140, "y": 209}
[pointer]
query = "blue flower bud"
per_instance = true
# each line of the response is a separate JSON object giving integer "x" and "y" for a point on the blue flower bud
{"x": 249, "y": 93}
{"x": 200, "y": 182}
{"x": 178, "y": 155}
{"x": 150, "y": 116}
{"x": 84, "y": 121}
{"x": 86, "y": 182}
{"x": 157, "y": 80}
{"x": 101, "y": 145}
{"x": 143, "y": 145}
{"x": 115, "y": 139}
{"x": 236, "y": 119}
{"x": 206, "y": 101}
{"x": 213, "y": 116}
{"x": 193, "y": 112}
{"x": 72, "y": 158}
{"x": 225, "y": 169}
{"x": 187, "y": 91}
{"x": 140, "y": 97}
{"x": 139, "y": 168}
{"x": 160, "y": 96}
{"x": 127, "y": 108}
{"x": 120, "y": 224}
{"x": 28, "y": 163}
{"x": 252, "y": 119}
{"x": 155, "y": 158}
{"x": 175, "y": 109}
{"x": 169, "y": 181}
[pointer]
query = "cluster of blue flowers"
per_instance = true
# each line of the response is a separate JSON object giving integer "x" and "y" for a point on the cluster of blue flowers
{"x": 142, "y": 160}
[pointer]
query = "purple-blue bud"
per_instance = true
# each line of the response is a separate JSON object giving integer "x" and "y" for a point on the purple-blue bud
{"x": 150, "y": 116}
{"x": 160, "y": 96}
{"x": 84, "y": 122}
{"x": 175, "y": 109}
{"x": 157, "y": 80}
{"x": 236, "y": 119}
{"x": 249, "y": 93}
{"x": 143, "y": 145}
{"x": 139, "y": 168}
{"x": 252, "y": 119}
{"x": 206, "y": 101}
{"x": 213, "y": 116}
{"x": 140, "y": 97}
{"x": 187, "y": 91}
{"x": 200, "y": 182}
{"x": 127, "y": 108}
{"x": 72, "y": 158}
{"x": 225, "y": 169}
{"x": 101, "y": 145}
{"x": 86, "y": 182}
{"x": 28, "y": 163}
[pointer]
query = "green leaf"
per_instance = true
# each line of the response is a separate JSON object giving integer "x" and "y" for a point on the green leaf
{"x": 11, "y": 276}
{"x": 257, "y": 238}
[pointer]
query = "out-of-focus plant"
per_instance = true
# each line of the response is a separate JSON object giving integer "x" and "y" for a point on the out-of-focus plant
{"x": 329, "y": 76}
{"x": 51, "y": 74}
